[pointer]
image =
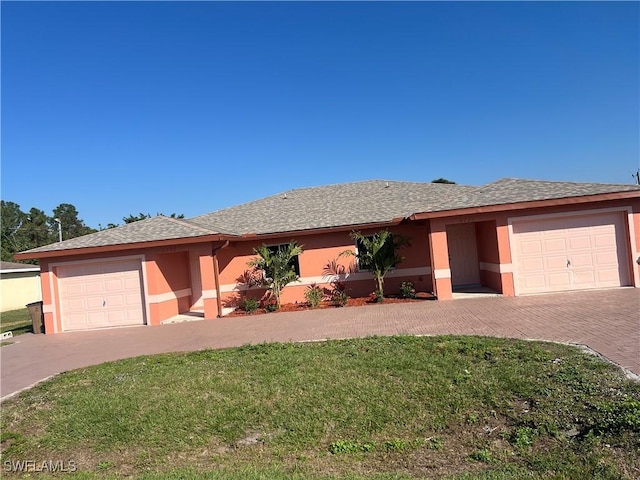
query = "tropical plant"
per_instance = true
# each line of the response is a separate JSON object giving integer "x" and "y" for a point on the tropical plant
{"x": 339, "y": 296}
{"x": 378, "y": 253}
{"x": 250, "y": 304}
{"x": 407, "y": 290}
{"x": 276, "y": 266}
{"x": 314, "y": 295}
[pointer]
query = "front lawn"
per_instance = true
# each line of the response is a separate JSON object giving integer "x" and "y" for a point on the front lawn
{"x": 18, "y": 321}
{"x": 397, "y": 407}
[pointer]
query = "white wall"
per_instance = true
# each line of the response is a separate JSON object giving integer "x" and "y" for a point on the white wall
{"x": 19, "y": 288}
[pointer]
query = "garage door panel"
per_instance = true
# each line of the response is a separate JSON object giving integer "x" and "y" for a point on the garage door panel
{"x": 115, "y": 301}
{"x": 534, "y": 281}
{"x": 555, "y": 262}
{"x": 560, "y": 281}
{"x": 531, "y": 245}
{"x": 605, "y": 258}
{"x": 90, "y": 287}
{"x": 605, "y": 240}
{"x": 77, "y": 289}
{"x": 77, "y": 303}
{"x": 100, "y": 294}
{"x": 579, "y": 242}
{"x": 576, "y": 252}
{"x": 555, "y": 245}
{"x": 582, "y": 260}
{"x": 608, "y": 276}
{"x": 92, "y": 302}
{"x": 586, "y": 278}
{"x": 114, "y": 285}
{"x": 534, "y": 264}
{"x": 96, "y": 319}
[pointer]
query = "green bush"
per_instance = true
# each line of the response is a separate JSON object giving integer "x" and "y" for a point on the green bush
{"x": 407, "y": 290}
{"x": 250, "y": 305}
{"x": 314, "y": 295}
{"x": 271, "y": 305}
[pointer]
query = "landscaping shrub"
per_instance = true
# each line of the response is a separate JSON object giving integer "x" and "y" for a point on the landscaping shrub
{"x": 407, "y": 290}
{"x": 250, "y": 305}
{"x": 314, "y": 295}
{"x": 339, "y": 295}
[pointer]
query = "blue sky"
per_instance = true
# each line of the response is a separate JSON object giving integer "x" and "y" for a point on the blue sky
{"x": 123, "y": 107}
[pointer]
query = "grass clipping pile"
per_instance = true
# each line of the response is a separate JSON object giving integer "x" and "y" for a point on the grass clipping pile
{"x": 395, "y": 407}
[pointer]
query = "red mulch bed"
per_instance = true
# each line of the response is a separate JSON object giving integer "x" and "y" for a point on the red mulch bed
{"x": 351, "y": 302}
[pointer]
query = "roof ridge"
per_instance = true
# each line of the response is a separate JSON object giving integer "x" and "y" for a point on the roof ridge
{"x": 573, "y": 182}
{"x": 183, "y": 221}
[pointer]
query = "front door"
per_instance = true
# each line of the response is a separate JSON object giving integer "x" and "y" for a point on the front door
{"x": 463, "y": 254}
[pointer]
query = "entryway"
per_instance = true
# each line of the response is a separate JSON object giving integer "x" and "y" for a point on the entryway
{"x": 463, "y": 255}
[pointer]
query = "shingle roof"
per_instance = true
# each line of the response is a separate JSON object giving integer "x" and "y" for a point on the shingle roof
{"x": 345, "y": 204}
{"x": 149, "y": 230}
{"x": 341, "y": 205}
{"x": 512, "y": 190}
{"x": 380, "y": 201}
{"x": 14, "y": 266}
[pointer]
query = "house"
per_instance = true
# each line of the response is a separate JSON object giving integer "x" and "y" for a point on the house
{"x": 19, "y": 285}
{"x": 514, "y": 236}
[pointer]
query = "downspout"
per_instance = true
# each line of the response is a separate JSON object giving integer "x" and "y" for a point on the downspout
{"x": 216, "y": 275}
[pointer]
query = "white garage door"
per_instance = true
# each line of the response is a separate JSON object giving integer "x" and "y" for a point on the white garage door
{"x": 570, "y": 253}
{"x": 99, "y": 295}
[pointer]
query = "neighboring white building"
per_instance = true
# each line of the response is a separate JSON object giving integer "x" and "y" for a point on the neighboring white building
{"x": 19, "y": 285}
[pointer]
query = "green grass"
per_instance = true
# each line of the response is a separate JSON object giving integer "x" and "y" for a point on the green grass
{"x": 18, "y": 321}
{"x": 382, "y": 408}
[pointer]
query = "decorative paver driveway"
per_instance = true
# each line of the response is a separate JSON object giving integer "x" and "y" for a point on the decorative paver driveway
{"x": 608, "y": 321}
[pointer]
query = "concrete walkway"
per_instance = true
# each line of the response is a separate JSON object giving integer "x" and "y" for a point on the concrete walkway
{"x": 607, "y": 321}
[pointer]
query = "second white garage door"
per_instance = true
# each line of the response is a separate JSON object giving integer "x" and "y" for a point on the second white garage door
{"x": 570, "y": 253}
{"x": 100, "y": 294}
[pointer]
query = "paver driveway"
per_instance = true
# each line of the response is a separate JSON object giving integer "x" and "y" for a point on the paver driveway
{"x": 608, "y": 321}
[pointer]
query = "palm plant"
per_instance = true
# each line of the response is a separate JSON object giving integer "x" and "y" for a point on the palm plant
{"x": 378, "y": 253}
{"x": 276, "y": 267}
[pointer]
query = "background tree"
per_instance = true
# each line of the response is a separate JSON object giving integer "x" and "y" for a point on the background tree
{"x": 23, "y": 231}
{"x": 71, "y": 225}
{"x": 277, "y": 267}
{"x": 443, "y": 180}
{"x": 12, "y": 236}
{"x": 37, "y": 230}
{"x": 378, "y": 253}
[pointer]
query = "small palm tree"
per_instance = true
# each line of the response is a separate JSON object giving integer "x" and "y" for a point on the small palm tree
{"x": 378, "y": 253}
{"x": 276, "y": 266}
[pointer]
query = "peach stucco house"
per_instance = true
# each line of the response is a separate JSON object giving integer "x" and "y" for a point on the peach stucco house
{"x": 515, "y": 237}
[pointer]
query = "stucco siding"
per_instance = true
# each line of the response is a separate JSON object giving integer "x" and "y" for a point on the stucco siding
{"x": 18, "y": 289}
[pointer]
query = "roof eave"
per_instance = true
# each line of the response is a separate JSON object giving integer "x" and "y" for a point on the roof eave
{"x": 316, "y": 231}
{"x": 20, "y": 270}
{"x": 123, "y": 246}
{"x": 506, "y": 207}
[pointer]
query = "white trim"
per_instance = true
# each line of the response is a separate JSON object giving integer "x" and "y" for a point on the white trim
{"x": 168, "y": 296}
{"x": 209, "y": 294}
{"x": 47, "y": 308}
{"x": 20, "y": 270}
{"x": 497, "y": 267}
{"x": 145, "y": 290}
{"x": 635, "y": 280}
{"x": 574, "y": 213}
{"x": 634, "y": 248}
{"x": 442, "y": 273}
{"x": 344, "y": 277}
{"x": 55, "y": 265}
